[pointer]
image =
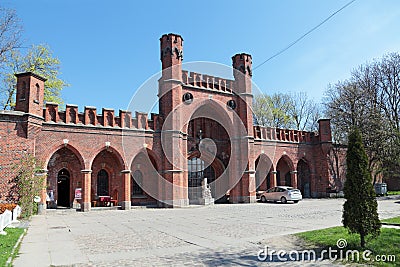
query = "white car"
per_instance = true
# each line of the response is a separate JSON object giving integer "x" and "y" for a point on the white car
{"x": 282, "y": 194}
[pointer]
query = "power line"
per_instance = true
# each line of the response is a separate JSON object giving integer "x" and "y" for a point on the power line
{"x": 304, "y": 35}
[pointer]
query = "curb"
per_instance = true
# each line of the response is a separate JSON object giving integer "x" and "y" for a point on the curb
{"x": 392, "y": 224}
{"x": 9, "y": 260}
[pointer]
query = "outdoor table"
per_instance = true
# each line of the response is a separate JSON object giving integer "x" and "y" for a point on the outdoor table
{"x": 104, "y": 200}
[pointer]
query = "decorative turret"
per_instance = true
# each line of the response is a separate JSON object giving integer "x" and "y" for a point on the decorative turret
{"x": 242, "y": 71}
{"x": 324, "y": 130}
{"x": 30, "y": 93}
{"x": 243, "y": 63}
{"x": 171, "y": 55}
{"x": 170, "y": 84}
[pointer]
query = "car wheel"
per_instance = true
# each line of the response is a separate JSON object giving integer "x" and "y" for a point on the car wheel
{"x": 296, "y": 201}
{"x": 263, "y": 199}
{"x": 283, "y": 200}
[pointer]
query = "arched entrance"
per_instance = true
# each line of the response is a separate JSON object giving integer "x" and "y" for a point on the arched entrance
{"x": 64, "y": 176}
{"x": 197, "y": 171}
{"x": 209, "y": 150}
{"x": 145, "y": 179}
{"x": 137, "y": 183}
{"x": 263, "y": 173}
{"x": 106, "y": 175}
{"x": 283, "y": 172}
{"x": 63, "y": 188}
{"x": 304, "y": 178}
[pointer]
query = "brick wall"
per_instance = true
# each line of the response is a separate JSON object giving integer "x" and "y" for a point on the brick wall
{"x": 13, "y": 145}
{"x": 119, "y": 142}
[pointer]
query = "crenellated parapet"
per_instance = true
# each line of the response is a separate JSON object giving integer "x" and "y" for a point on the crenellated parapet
{"x": 207, "y": 81}
{"x": 107, "y": 117}
{"x": 284, "y": 135}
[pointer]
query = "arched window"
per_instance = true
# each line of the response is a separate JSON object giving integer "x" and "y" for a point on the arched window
{"x": 102, "y": 183}
{"x": 197, "y": 171}
{"x": 137, "y": 182}
{"x": 37, "y": 92}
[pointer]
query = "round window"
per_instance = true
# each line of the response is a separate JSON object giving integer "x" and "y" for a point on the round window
{"x": 187, "y": 98}
{"x": 231, "y": 104}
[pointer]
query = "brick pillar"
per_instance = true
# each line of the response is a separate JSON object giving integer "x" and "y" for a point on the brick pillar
{"x": 173, "y": 165}
{"x": 86, "y": 188}
{"x": 273, "y": 178}
{"x": 42, "y": 206}
{"x": 293, "y": 175}
{"x": 235, "y": 183}
{"x": 126, "y": 182}
{"x": 244, "y": 191}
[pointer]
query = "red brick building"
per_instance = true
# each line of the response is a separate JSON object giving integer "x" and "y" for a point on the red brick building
{"x": 204, "y": 129}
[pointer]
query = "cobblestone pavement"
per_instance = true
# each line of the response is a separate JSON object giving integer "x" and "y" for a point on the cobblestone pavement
{"x": 219, "y": 235}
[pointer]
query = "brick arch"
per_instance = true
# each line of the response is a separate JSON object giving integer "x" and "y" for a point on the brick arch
{"x": 218, "y": 108}
{"x": 64, "y": 158}
{"x": 219, "y": 127}
{"x": 147, "y": 162}
{"x": 110, "y": 149}
{"x": 285, "y": 167}
{"x": 308, "y": 161}
{"x": 154, "y": 158}
{"x": 304, "y": 180}
{"x": 264, "y": 168}
{"x": 111, "y": 161}
{"x": 265, "y": 157}
{"x": 288, "y": 161}
{"x": 69, "y": 147}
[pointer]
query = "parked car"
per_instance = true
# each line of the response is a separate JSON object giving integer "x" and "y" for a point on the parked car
{"x": 282, "y": 194}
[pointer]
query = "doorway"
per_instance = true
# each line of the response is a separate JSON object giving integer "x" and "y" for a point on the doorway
{"x": 304, "y": 177}
{"x": 63, "y": 188}
{"x": 197, "y": 171}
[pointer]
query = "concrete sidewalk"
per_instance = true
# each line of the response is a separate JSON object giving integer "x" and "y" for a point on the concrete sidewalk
{"x": 227, "y": 235}
{"x": 49, "y": 242}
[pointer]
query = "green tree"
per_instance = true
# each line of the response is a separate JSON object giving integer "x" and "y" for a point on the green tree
{"x": 38, "y": 59}
{"x": 370, "y": 101}
{"x": 29, "y": 183}
{"x": 273, "y": 110}
{"x": 283, "y": 110}
{"x": 360, "y": 213}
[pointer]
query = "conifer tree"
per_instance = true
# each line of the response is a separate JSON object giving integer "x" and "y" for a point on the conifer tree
{"x": 360, "y": 214}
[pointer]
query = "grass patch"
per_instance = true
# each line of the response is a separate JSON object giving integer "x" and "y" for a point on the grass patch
{"x": 7, "y": 242}
{"x": 388, "y": 243}
{"x": 391, "y": 193}
{"x": 395, "y": 220}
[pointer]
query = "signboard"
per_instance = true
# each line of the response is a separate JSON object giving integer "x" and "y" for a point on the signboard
{"x": 78, "y": 193}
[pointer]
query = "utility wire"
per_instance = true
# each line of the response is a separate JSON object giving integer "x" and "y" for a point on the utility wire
{"x": 304, "y": 35}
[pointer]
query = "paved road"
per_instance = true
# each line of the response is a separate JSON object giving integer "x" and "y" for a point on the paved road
{"x": 199, "y": 236}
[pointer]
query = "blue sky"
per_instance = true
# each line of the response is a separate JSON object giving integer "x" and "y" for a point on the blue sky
{"x": 109, "y": 48}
